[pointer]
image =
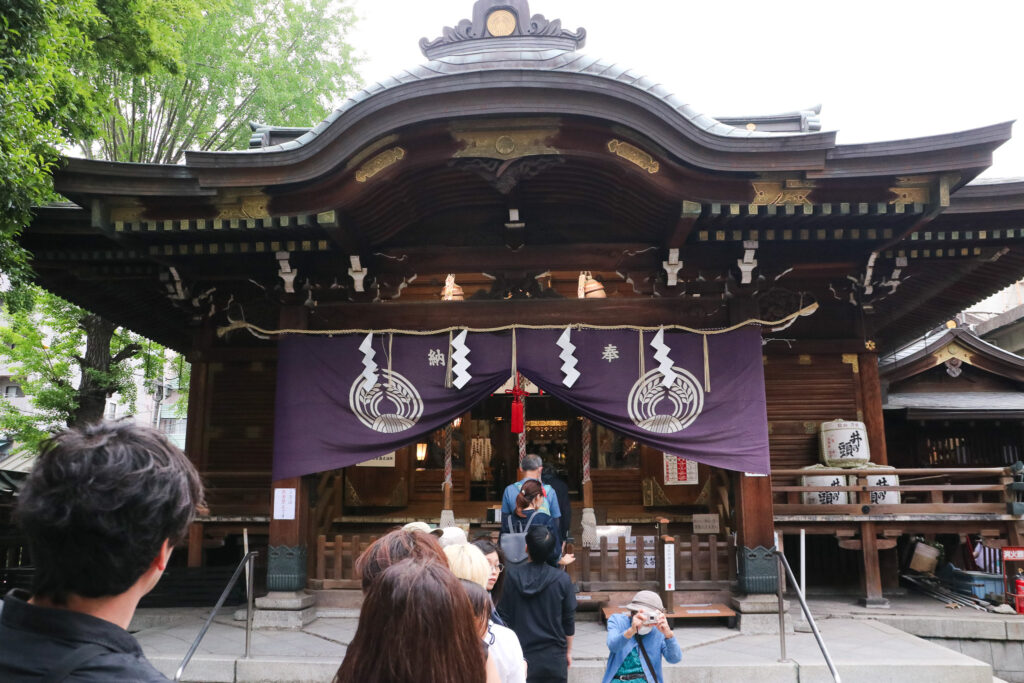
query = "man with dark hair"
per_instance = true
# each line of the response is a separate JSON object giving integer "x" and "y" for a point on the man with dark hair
{"x": 533, "y": 468}
{"x": 539, "y": 604}
{"x": 551, "y": 479}
{"x": 102, "y": 510}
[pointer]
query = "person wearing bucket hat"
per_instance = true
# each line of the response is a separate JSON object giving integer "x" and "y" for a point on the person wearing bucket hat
{"x": 637, "y": 641}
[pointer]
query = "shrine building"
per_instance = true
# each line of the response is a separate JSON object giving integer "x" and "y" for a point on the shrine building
{"x": 677, "y": 301}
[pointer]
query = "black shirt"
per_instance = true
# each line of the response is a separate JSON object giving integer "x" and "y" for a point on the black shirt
{"x": 34, "y": 639}
{"x": 538, "y": 602}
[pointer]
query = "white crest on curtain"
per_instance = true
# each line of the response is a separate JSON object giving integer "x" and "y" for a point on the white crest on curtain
{"x": 460, "y": 364}
{"x": 661, "y": 351}
{"x": 369, "y": 373}
{"x": 568, "y": 359}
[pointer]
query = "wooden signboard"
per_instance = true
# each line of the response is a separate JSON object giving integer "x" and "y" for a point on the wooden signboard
{"x": 705, "y": 524}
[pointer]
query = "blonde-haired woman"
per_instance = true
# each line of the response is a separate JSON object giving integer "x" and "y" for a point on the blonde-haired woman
{"x": 469, "y": 563}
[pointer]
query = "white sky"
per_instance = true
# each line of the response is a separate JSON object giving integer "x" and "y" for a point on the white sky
{"x": 881, "y": 69}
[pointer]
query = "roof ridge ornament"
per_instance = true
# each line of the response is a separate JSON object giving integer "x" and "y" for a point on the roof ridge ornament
{"x": 503, "y": 20}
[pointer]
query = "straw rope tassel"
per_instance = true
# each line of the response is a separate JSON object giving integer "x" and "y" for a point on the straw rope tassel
{"x": 447, "y": 516}
{"x": 642, "y": 368}
{"x": 589, "y": 519}
{"x": 391, "y": 381}
{"x": 448, "y": 453}
{"x": 707, "y": 367}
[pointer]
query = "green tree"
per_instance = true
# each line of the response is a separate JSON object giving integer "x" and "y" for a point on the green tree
{"x": 51, "y": 57}
{"x": 70, "y": 362}
{"x": 202, "y": 78}
{"x": 283, "y": 62}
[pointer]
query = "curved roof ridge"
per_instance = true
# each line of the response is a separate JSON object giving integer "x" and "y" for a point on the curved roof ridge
{"x": 562, "y": 61}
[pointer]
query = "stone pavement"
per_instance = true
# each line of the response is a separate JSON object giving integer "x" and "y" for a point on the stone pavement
{"x": 863, "y": 649}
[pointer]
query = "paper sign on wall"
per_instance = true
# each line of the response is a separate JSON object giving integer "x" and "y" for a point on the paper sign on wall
{"x": 386, "y": 460}
{"x": 705, "y": 524}
{"x": 679, "y": 470}
{"x": 284, "y": 503}
{"x": 1013, "y": 554}
{"x": 670, "y": 566}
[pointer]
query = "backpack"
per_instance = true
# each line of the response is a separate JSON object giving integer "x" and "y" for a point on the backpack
{"x": 513, "y": 543}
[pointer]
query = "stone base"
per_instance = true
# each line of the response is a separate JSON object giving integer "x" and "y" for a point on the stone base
{"x": 283, "y": 610}
{"x": 285, "y": 600}
{"x": 759, "y": 614}
{"x": 876, "y": 603}
{"x": 292, "y": 620}
{"x": 767, "y": 603}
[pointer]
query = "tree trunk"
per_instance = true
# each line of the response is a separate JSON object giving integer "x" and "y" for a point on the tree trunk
{"x": 95, "y": 366}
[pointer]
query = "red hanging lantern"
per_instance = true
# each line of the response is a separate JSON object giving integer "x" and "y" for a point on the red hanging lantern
{"x": 518, "y": 415}
{"x": 517, "y": 420}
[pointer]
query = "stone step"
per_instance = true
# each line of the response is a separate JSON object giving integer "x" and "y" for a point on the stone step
{"x": 862, "y": 651}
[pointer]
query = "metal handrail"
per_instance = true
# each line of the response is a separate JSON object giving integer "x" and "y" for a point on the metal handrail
{"x": 247, "y": 564}
{"x": 783, "y": 563}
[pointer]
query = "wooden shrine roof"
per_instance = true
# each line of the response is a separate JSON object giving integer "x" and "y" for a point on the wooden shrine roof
{"x": 515, "y": 162}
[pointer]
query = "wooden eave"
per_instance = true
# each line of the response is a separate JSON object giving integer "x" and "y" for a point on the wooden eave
{"x": 967, "y": 152}
{"x": 966, "y": 346}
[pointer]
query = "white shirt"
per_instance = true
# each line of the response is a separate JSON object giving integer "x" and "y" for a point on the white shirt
{"x": 503, "y": 645}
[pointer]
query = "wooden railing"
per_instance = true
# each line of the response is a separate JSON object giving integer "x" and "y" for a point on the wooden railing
{"x": 335, "y": 560}
{"x": 328, "y": 501}
{"x": 703, "y": 562}
{"x": 930, "y": 491}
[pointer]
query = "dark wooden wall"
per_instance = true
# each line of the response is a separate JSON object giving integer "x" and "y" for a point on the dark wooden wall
{"x": 804, "y": 390}
{"x": 232, "y": 443}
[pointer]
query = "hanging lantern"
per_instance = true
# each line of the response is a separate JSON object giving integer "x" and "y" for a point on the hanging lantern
{"x": 451, "y": 290}
{"x": 592, "y": 289}
{"x": 421, "y": 452}
{"x": 457, "y": 422}
{"x": 518, "y": 417}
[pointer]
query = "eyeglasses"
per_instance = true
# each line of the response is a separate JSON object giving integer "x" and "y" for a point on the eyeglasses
{"x": 499, "y": 568}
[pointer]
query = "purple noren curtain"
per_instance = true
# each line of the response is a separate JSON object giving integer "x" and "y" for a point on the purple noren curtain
{"x": 329, "y": 416}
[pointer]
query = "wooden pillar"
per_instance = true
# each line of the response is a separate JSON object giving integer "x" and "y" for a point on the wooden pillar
{"x": 287, "y": 552}
{"x": 196, "y": 429}
{"x": 755, "y": 527}
{"x": 871, "y": 573}
{"x": 195, "y": 544}
{"x": 874, "y": 420}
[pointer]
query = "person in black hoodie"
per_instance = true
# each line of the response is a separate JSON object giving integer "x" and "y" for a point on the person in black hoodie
{"x": 539, "y": 604}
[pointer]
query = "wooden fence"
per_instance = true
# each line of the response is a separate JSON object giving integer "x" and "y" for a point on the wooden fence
{"x": 702, "y": 562}
{"x": 335, "y": 560}
{"x": 931, "y": 491}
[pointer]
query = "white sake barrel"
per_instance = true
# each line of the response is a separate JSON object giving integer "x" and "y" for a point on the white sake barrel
{"x": 844, "y": 444}
{"x": 883, "y": 497}
{"x": 825, "y": 497}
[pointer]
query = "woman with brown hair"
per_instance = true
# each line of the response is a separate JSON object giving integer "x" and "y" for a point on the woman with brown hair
{"x": 528, "y": 513}
{"x": 394, "y": 547}
{"x": 416, "y": 626}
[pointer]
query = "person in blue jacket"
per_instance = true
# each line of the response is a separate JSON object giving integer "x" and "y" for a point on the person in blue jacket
{"x": 645, "y": 624}
{"x": 533, "y": 468}
{"x": 528, "y": 513}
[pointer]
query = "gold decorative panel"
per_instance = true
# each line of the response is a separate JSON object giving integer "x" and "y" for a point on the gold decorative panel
{"x": 909, "y": 195}
{"x": 773, "y": 193}
{"x": 501, "y": 23}
{"x": 634, "y": 155}
{"x": 378, "y": 163}
{"x": 250, "y": 207}
{"x": 130, "y": 214}
{"x": 505, "y": 144}
{"x": 852, "y": 360}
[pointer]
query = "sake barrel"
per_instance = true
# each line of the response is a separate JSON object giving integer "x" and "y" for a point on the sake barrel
{"x": 884, "y": 497}
{"x": 825, "y": 497}
{"x": 844, "y": 444}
